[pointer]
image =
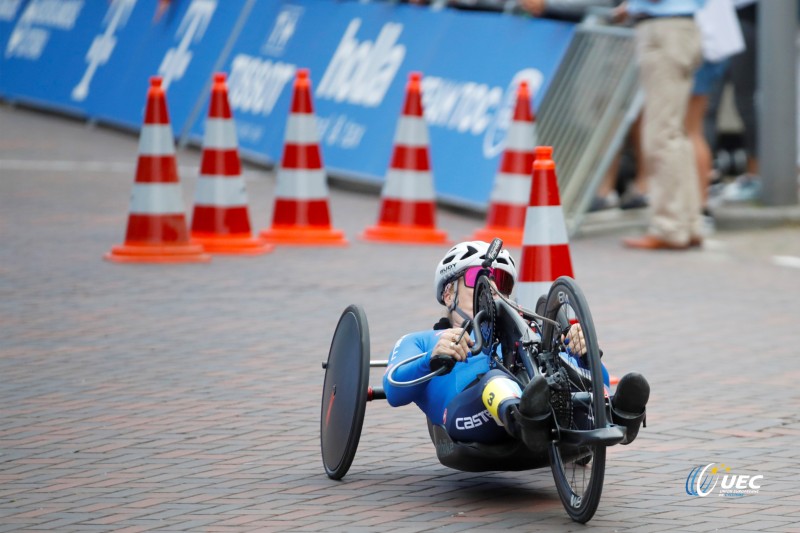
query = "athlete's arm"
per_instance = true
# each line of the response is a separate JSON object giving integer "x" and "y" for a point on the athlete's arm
{"x": 408, "y": 346}
{"x": 452, "y": 342}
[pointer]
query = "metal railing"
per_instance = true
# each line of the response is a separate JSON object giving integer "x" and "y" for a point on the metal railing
{"x": 588, "y": 109}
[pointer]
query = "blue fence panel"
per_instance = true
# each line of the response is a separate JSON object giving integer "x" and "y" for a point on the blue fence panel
{"x": 9, "y": 11}
{"x": 360, "y": 56}
{"x": 183, "y": 47}
{"x": 95, "y": 58}
{"x": 469, "y": 93}
{"x": 43, "y": 47}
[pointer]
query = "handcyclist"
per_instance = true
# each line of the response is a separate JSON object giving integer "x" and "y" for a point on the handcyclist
{"x": 475, "y": 402}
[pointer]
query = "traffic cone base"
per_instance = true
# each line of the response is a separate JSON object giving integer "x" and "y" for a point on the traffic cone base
{"x": 243, "y": 244}
{"x": 150, "y": 253}
{"x": 511, "y": 237}
{"x": 404, "y": 234}
{"x": 303, "y": 236}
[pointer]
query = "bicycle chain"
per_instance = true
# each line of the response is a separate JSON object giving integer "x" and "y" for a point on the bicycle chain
{"x": 561, "y": 397}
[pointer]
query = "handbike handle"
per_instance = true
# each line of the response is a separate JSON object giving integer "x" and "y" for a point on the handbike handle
{"x": 439, "y": 367}
{"x": 442, "y": 361}
{"x": 477, "y": 347}
{"x": 440, "y": 364}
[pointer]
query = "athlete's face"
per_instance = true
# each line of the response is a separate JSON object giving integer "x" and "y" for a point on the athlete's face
{"x": 464, "y": 301}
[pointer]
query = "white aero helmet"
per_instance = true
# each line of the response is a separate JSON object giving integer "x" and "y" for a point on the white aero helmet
{"x": 464, "y": 255}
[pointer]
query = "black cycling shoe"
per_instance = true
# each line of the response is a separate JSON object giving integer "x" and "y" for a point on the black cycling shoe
{"x": 632, "y": 394}
{"x": 534, "y": 415}
{"x": 628, "y": 404}
{"x": 535, "y": 400}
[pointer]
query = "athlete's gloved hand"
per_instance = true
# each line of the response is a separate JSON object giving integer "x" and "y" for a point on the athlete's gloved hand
{"x": 447, "y": 345}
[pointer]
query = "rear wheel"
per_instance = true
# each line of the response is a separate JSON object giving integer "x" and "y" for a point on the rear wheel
{"x": 578, "y": 471}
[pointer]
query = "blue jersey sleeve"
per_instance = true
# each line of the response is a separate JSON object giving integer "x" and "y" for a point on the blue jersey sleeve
{"x": 407, "y": 347}
{"x": 431, "y": 397}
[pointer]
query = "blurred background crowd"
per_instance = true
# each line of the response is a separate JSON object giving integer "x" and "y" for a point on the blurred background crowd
{"x": 721, "y": 112}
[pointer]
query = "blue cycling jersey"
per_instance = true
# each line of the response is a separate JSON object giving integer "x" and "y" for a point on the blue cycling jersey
{"x": 434, "y": 396}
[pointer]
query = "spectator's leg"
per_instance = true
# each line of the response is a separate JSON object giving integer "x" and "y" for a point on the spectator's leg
{"x": 698, "y": 104}
{"x": 743, "y": 78}
{"x": 669, "y": 52}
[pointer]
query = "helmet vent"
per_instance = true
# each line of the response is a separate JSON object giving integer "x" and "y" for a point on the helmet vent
{"x": 470, "y": 252}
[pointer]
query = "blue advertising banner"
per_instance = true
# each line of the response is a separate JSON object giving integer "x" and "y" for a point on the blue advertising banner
{"x": 183, "y": 47}
{"x": 360, "y": 56}
{"x": 95, "y": 58}
{"x": 45, "y": 43}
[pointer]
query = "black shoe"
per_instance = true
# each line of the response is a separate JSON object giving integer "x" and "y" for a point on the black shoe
{"x": 628, "y": 404}
{"x": 535, "y": 399}
{"x": 634, "y": 201}
{"x": 632, "y": 394}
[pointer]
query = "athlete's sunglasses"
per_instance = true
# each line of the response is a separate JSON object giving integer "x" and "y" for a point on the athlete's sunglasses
{"x": 503, "y": 280}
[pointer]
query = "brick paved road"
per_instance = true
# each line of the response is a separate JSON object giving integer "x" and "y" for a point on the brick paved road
{"x": 174, "y": 398}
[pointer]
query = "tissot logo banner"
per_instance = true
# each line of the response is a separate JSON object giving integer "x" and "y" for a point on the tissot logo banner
{"x": 360, "y": 56}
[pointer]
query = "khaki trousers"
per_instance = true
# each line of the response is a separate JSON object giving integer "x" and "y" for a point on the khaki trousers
{"x": 669, "y": 53}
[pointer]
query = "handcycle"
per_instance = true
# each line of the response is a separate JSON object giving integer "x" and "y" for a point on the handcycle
{"x": 571, "y": 439}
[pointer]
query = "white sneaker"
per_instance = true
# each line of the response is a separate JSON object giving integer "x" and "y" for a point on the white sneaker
{"x": 745, "y": 188}
{"x": 708, "y": 224}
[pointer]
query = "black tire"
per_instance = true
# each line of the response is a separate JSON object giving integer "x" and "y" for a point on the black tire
{"x": 578, "y": 471}
{"x": 344, "y": 393}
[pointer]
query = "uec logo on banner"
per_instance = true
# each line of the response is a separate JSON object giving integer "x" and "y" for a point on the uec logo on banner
{"x": 702, "y": 480}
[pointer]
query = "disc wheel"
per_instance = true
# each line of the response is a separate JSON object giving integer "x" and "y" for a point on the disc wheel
{"x": 578, "y": 471}
{"x": 344, "y": 393}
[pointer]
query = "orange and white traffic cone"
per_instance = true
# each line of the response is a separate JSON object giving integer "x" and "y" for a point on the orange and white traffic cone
{"x": 512, "y": 184}
{"x": 302, "y": 214}
{"x": 408, "y": 209}
{"x": 545, "y": 245}
{"x": 157, "y": 231}
{"x": 221, "y": 221}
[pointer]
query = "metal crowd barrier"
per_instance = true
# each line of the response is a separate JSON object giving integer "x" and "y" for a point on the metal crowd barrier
{"x": 588, "y": 109}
